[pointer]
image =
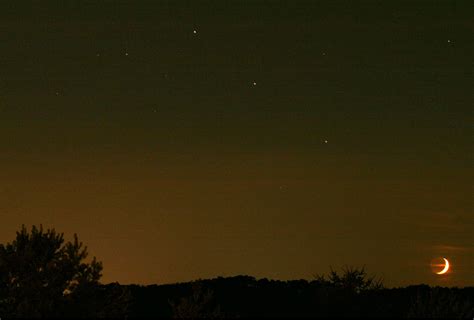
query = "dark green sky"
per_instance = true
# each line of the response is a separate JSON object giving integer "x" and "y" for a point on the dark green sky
{"x": 152, "y": 142}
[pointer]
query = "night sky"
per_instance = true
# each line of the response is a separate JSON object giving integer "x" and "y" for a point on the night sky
{"x": 185, "y": 140}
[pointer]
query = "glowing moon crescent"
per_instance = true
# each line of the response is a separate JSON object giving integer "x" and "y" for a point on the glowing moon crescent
{"x": 446, "y": 267}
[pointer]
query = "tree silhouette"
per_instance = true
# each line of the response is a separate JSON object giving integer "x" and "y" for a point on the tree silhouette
{"x": 200, "y": 304}
{"x": 42, "y": 276}
{"x": 352, "y": 279}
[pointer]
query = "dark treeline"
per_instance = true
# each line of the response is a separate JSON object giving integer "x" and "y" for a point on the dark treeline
{"x": 43, "y": 276}
{"x": 244, "y": 296}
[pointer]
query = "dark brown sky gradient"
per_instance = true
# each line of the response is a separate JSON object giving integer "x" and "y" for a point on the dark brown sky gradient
{"x": 152, "y": 142}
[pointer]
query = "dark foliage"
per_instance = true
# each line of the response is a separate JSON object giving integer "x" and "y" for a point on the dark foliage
{"x": 42, "y": 276}
{"x": 244, "y": 296}
{"x": 352, "y": 279}
{"x": 199, "y": 304}
{"x": 440, "y": 303}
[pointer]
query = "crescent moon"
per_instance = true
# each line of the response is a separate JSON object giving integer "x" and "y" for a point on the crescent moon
{"x": 446, "y": 267}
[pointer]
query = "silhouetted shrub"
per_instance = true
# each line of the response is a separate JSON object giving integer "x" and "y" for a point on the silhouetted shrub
{"x": 115, "y": 301}
{"x": 352, "y": 279}
{"x": 200, "y": 304}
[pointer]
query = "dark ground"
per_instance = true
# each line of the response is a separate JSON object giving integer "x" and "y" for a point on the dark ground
{"x": 244, "y": 296}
